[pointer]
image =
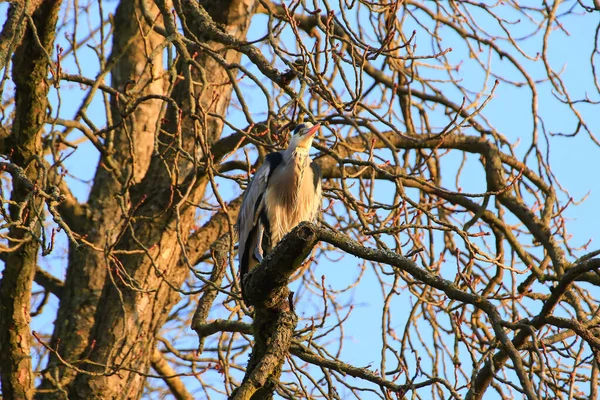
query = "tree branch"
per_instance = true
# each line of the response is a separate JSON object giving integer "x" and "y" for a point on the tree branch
{"x": 29, "y": 71}
{"x": 49, "y": 282}
{"x": 14, "y": 28}
{"x": 266, "y": 286}
{"x": 363, "y": 373}
{"x": 274, "y": 319}
{"x": 170, "y": 376}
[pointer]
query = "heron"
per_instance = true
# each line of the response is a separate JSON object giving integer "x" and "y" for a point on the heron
{"x": 284, "y": 191}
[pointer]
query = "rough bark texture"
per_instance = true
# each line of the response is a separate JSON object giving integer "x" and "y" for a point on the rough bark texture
{"x": 480, "y": 255}
{"x": 274, "y": 317}
{"x": 138, "y": 70}
{"x": 138, "y": 293}
{"x": 273, "y": 331}
{"x": 161, "y": 366}
{"x": 14, "y": 28}
{"x": 30, "y": 69}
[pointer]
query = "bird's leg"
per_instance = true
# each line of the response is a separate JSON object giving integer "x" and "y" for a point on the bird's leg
{"x": 266, "y": 244}
{"x": 291, "y": 302}
{"x": 258, "y": 254}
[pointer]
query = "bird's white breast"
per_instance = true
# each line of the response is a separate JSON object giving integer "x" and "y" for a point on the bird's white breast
{"x": 291, "y": 198}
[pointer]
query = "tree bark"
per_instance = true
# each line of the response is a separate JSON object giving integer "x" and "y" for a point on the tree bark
{"x": 139, "y": 71}
{"x": 142, "y": 287}
{"x": 24, "y": 145}
{"x": 274, "y": 317}
{"x": 176, "y": 386}
{"x": 14, "y": 28}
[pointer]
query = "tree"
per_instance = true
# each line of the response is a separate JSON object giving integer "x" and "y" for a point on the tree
{"x": 128, "y": 136}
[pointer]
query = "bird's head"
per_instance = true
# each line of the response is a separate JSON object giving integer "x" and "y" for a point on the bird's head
{"x": 303, "y": 135}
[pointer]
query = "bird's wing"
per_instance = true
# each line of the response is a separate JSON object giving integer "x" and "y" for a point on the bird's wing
{"x": 317, "y": 178}
{"x": 249, "y": 224}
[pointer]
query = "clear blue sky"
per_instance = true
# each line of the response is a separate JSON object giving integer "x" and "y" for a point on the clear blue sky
{"x": 574, "y": 160}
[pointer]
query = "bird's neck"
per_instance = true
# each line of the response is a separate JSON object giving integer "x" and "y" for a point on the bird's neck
{"x": 299, "y": 160}
{"x": 298, "y": 157}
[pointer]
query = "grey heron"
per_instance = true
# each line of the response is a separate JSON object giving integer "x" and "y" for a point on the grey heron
{"x": 284, "y": 191}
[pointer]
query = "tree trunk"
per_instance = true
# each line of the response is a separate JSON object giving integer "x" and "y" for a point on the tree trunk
{"x": 139, "y": 71}
{"x": 30, "y": 69}
{"x": 144, "y": 277}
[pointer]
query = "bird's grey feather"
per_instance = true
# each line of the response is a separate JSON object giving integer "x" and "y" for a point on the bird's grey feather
{"x": 291, "y": 197}
{"x": 317, "y": 175}
{"x": 252, "y": 206}
{"x": 285, "y": 191}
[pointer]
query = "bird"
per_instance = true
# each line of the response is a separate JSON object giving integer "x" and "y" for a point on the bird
{"x": 285, "y": 190}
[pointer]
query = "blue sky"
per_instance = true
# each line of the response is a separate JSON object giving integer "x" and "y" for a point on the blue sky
{"x": 573, "y": 160}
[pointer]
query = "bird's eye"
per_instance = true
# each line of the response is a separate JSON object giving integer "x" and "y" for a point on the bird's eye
{"x": 299, "y": 128}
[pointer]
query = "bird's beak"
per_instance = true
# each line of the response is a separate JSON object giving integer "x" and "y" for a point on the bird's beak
{"x": 313, "y": 130}
{"x": 307, "y": 138}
